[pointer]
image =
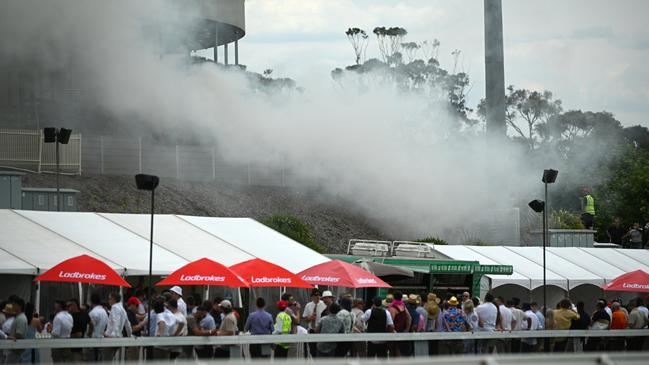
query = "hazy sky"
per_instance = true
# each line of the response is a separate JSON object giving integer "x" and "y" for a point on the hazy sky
{"x": 591, "y": 54}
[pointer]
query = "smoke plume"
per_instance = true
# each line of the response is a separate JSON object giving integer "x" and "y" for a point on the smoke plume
{"x": 395, "y": 157}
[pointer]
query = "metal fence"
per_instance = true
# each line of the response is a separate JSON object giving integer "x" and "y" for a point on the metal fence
{"x": 107, "y": 155}
{"x": 24, "y": 149}
{"x": 125, "y": 156}
{"x": 239, "y": 344}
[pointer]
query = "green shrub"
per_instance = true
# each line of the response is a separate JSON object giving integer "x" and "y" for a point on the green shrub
{"x": 565, "y": 219}
{"x": 432, "y": 239}
{"x": 295, "y": 229}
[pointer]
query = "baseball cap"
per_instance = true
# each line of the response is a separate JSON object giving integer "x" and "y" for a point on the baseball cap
{"x": 225, "y": 304}
{"x": 176, "y": 289}
{"x": 282, "y": 304}
{"x": 133, "y": 301}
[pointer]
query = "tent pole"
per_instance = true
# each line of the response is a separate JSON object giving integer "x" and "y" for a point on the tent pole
{"x": 207, "y": 292}
{"x": 240, "y": 300}
{"x": 80, "y": 293}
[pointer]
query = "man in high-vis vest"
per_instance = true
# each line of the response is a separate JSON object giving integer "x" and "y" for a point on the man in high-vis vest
{"x": 282, "y": 327}
{"x": 587, "y": 208}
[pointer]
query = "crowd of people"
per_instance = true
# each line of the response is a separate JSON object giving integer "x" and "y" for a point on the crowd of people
{"x": 173, "y": 315}
{"x": 635, "y": 236}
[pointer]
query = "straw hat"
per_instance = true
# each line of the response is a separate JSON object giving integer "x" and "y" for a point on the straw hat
{"x": 413, "y": 299}
{"x": 432, "y": 297}
{"x": 8, "y": 309}
{"x": 453, "y": 301}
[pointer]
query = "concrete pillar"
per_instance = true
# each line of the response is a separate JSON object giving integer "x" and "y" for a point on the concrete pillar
{"x": 494, "y": 68}
{"x": 236, "y": 52}
{"x": 225, "y": 53}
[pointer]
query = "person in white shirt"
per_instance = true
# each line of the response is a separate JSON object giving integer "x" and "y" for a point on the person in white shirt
{"x": 166, "y": 327}
{"x": 518, "y": 316}
{"x": 539, "y": 315}
{"x": 181, "y": 327}
{"x": 505, "y": 325}
{"x": 641, "y": 307}
{"x": 96, "y": 327}
{"x": 177, "y": 295}
{"x": 313, "y": 310}
{"x": 530, "y": 323}
{"x": 487, "y": 314}
{"x": 117, "y": 322}
{"x": 98, "y": 318}
{"x": 506, "y": 317}
{"x": 61, "y": 327}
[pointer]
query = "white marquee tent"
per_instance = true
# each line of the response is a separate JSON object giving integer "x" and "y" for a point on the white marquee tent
{"x": 573, "y": 271}
{"x": 567, "y": 267}
{"x": 34, "y": 241}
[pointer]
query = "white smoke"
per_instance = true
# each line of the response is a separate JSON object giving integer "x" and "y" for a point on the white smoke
{"x": 389, "y": 154}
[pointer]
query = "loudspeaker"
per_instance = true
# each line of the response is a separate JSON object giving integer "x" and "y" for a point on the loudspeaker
{"x": 146, "y": 182}
{"x": 549, "y": 176}
{"x": 49, "y": 135}
{"x": 537, "y": 205}
{"x": 64, "y": 135}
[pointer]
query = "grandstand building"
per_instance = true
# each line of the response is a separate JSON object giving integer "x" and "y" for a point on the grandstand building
{"x": 33, "y": 92}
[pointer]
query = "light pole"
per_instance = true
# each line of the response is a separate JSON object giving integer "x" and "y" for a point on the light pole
{"x": 149, "y": 182}
{"x": 60, "y": 136}
{"x": 549, "y": 177}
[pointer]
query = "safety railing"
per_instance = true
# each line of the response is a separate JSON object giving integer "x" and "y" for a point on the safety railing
{"x": 312, "y": 338}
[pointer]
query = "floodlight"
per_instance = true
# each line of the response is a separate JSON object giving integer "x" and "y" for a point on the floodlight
{"x": 549, "y": 176}
{"x": 537, "y": 205}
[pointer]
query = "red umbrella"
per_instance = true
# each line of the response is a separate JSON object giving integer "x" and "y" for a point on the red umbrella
{"x": 339, "y": 273}
{"x": 83, "y": 269}
{"x": 634, "y": 281}
{"x": 204, "y": 272}
{"x": 263, "y": 273}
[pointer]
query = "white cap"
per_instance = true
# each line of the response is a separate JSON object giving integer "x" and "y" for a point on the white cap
{"x": 327, "y": 293}
{"x": 225, "y": 304}
{"x": 178, "y": 290}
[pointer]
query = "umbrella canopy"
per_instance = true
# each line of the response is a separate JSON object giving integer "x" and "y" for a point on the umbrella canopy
{"x": 339, "y": 273}
{"x": 634, "y": 281}
{"x": 385, "y": 271}
{"x": 261, "y": 273}
{"x": 204, "y": 272}
{"x": 83, "y": 269}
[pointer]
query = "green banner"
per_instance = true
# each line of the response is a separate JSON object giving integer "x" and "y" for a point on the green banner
{"x": 449, "y": 268}
{"x": 493, "y": 269}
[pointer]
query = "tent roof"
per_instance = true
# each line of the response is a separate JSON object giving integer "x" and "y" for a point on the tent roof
{"x": 522, "y": 264}
{"x": 13, "y": 265}
{"x": 567, "y": 267}
{"x": 33, "y": 241}
{"x": 181, "y": 237}
{"x": 37, "y": 246}
{"x": 259, "y": 241}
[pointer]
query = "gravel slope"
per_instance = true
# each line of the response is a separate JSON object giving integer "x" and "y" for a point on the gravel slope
{"x": 332, "y": 224}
